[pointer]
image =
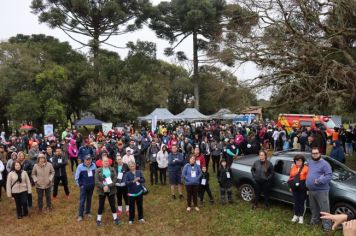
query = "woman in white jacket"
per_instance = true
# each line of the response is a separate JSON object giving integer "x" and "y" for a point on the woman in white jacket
{"x": 162, "y": 160}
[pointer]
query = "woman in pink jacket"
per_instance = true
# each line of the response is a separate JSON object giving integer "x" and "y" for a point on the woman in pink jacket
{"x": 73, "y": 154}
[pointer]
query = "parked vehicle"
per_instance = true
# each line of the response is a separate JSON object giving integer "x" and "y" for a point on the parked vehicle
{"x": 342, "y": 186}
{"x": 290, "y": 121}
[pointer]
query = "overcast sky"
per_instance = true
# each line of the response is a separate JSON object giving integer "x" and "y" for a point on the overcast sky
{"x": 16, "y": 18}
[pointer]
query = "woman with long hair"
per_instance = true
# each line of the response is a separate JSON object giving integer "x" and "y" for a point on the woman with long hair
{"x": 18, "y": 186}
{"x": 262, "y": 172}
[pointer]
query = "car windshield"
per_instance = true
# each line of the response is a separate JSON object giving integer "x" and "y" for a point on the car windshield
{"x": 340, "y": 172}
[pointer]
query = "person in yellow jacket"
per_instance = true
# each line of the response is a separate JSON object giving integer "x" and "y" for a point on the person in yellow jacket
{"x": 18, "y": 186}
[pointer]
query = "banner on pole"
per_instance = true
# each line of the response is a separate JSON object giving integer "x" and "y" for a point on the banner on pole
{"x": 106, "y": 127}
{"x": 48, "y": 129}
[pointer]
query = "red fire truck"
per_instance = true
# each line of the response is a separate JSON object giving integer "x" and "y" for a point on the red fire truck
{"x": 290, "y": 121}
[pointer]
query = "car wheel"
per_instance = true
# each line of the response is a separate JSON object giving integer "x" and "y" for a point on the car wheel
{"x": 344, "y": 208}
{"x": 247, "y": 192}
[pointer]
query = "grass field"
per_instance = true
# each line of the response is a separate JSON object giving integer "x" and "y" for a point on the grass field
{"x": 163, "y": 217}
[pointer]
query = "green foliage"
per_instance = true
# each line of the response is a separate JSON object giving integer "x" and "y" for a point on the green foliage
{"x": 98, "y": 20}
{"x": 24, "y": 106}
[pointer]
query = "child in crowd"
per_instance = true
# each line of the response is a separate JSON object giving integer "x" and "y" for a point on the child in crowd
{"x": 204, "y": 186}
{"x": 225, "y": 182}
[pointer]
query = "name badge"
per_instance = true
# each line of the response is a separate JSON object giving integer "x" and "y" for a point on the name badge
{"x": 198, "y": 162}
{"x": 233, "y": 146}
{"x": 154, "y": 154}
{"x": 108, "y": 180}
{"x": 139, "y": 146}
{"x": 60, "y": 161}
{"x": 193, "y": 173}
{"x": 203, "y": 181}
{"x": 90, "y": 173}
{"x": 137, "y": 183}
{"x": 228, "y": 175}
{"x": 119, "y": 175}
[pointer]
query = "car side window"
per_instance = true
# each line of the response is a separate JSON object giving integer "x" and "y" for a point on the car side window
{"x": 286, "y": 167}
{"x": 278, "y": 167}
{"x": 283, "y": 167}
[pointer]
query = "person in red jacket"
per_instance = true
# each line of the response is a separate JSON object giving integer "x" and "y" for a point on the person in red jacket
{"x": 199, "y": 158}
{"x": 99, "y": 163}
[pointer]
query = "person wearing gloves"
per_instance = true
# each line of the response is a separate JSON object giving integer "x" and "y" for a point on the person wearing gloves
{"x": 191, "y": 175}
{"x": 162, "y": 160}
{"x": 84, "y": 177}
{"x": 104, "y": 181}
{"x": 18, "y": 186}
{"x": 134, "y": 180}
{"x": 121, "y": 189}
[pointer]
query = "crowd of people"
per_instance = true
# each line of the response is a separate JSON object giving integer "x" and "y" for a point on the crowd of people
{"x": 113, "y": 163}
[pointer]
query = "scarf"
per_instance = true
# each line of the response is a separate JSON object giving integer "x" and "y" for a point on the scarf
{"x": 19, "y": 173}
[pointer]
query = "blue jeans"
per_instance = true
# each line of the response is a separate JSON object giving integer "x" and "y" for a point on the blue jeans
{"x": 86, "y": 194}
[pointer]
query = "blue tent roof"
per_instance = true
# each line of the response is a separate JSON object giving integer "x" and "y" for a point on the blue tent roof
{"x": 88, "y": 121}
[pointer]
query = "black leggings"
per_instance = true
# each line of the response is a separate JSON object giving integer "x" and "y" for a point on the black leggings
{"x": 102, "y": 203}
{"x": 216, "y": 160}
{"x": 207, "y": 160}
{"x": 202, "y": 190}
{"x": 121, "y": 192}
{"x": 139, "y": 202}
{"x": 262, "y": 188}
{"x": 163, "y": 175}
{"x": 21, "y": 203}
{"x": 72, "y": 161}
{"x": 56, "y": 184}
{"x": 154, "y": 172}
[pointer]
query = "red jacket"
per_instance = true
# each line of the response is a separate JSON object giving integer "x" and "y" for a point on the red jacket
{"x": 200, "y": 160}
{"x": 99, "y": 163}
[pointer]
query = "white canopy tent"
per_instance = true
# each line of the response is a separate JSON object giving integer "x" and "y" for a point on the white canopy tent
{"x": 161, "y": 114}
{"x": 191, "y": 114}
{"x": 223, "y": 114}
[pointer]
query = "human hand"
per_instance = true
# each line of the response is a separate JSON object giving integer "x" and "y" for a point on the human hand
{"x": 336, "y": 219}
{"x": 106, "y": 188}
{"x": 349, "y": 228}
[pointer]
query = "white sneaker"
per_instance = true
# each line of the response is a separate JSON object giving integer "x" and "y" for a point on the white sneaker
{"x": 189, "y": 209}
{"x": 130, "y": 222}
{"x": 142, "y": 221}
{"x": 300, "y": 221}
{"x": 295, "y": 218}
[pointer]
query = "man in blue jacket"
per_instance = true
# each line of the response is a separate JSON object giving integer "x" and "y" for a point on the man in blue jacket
{"x": 318, "y": 180}
{"x": 85, "y": 150}
{"x": 175, "y": 164}
{"x": 84, "y": 177}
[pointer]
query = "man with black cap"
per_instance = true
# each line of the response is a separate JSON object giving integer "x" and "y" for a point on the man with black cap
{"x": 231, "y": 151}
{"x": 84, "y": 177}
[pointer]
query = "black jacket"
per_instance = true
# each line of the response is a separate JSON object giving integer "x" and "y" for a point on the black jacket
{"x": 223, "y": 179}
{"x": 262, "y": 172}
{"x": 59, "y": 165}
{"x": 205, "y": 175}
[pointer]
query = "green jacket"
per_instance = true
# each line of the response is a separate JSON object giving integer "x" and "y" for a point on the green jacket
{"x": 99, "y": 181}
